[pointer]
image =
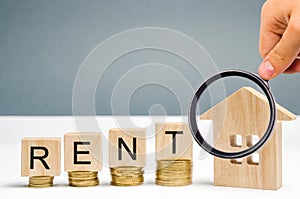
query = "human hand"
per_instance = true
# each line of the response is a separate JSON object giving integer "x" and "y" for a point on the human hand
{"x": 279, "y": 43}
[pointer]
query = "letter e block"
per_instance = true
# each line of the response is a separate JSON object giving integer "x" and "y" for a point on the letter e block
{"x": 173, "y": 141}
{"x": 83, "y": 152}
{"x": 40, "y": 157}
{"x": 127, "y": 147}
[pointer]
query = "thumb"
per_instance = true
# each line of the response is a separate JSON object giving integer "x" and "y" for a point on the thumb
{"x": 283, "y": 53}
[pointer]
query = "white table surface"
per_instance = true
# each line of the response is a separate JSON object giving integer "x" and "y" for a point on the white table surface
{"x": 13, "y": 129}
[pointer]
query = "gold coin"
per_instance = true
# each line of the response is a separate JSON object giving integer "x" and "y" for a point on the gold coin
{"x": 40, "y": 186}
{"x": 83, "y": 178}
{"x": 173, "y": 183}
{"x": 129, "y": 168}
{"x": 83, "y": 183}
{"x": 124, "y": 184}
{"x": 174, "y": 172}
{"x": 83, "y": 173}
{"x": 127, "y": 176}
{"x": 41, "y": 181}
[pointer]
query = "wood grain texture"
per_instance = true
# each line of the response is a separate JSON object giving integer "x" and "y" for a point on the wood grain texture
{"x": 246, "y": 113}
{"x": 53, "y": 160}
{"x": 91, "y": 143}
{"x": 128, "y": 136}
{"x": 165, "y": 142}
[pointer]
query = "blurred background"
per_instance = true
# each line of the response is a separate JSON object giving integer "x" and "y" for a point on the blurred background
{"x": 44, "y": 42}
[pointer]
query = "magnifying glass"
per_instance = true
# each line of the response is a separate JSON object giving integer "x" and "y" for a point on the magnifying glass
{"x": 199, "y": 138}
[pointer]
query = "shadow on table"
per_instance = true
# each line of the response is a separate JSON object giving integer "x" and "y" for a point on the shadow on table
{"x": 202, "y": 183}
{"x": 14, "y": 185}
{"x": 106, "y": 184}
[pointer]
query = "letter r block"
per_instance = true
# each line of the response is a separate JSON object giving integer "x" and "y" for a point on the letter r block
{"x": 40, "y": 157}
{"x": 127, "y": 147}
{"x": 173, "y": 141}
{"x": 83, "y": 152}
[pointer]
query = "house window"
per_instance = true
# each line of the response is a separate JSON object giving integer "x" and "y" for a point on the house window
{"x": 253, "y": 159}
{"x": 252, "y": 140}
{"x": 237, "y": 141}
{"x": 237, "y": 161}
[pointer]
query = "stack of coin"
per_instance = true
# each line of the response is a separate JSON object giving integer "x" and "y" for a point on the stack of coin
{"x": 41, "y": 181}
{"x": 174, "y": 172}
{"x": 127, "y": 176}
{"x": 83, "y": 178}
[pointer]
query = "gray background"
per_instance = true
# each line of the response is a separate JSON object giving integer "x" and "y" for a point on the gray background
{"x": 43, "y": 43}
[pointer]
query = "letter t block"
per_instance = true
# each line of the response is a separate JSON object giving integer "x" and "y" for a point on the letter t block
{"x": 173, "y": 141}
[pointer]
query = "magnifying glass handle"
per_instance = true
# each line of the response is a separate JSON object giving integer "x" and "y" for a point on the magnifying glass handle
{"x": 266, "y": 82}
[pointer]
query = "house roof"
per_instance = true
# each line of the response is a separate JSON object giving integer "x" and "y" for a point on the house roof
{"x": 237, "y": 98}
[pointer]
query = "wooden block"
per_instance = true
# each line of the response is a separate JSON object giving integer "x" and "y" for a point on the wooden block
{"x": 83, "y": 152}
{"x": 127, "y": 147}
{"x": 246, "y": 113}
{"x": 173, "y": 141}
{"x": 40, "y": 157}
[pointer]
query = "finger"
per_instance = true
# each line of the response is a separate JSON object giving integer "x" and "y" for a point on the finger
{"x": 271, "y": 30}
{"x": 283, "y": 53}
{"x": 294, "y": 68}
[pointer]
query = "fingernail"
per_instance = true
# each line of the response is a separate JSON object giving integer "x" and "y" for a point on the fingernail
{"x": 266, "y": 69}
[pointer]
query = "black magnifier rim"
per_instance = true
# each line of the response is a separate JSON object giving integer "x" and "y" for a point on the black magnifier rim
{"x": 193, "y": 121}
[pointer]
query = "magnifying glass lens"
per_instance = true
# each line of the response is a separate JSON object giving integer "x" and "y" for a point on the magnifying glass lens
{"x": 242, "y": 112}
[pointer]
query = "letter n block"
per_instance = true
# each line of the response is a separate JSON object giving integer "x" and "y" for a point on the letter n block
{"x": 127, "y": 147}
{"x": 173, "y": 141}
{"x": 83, "y": 152}
{"x": 40, "y": 157}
